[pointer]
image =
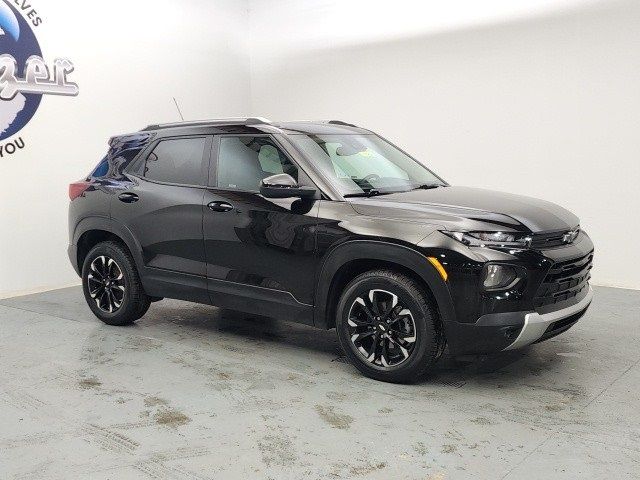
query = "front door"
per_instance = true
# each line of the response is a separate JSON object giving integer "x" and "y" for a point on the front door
{"x": 260, "y": 252}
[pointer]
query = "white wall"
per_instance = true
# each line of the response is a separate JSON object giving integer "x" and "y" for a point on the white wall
{"x": 131, "y": 58}
{"x": 540, "y": 98}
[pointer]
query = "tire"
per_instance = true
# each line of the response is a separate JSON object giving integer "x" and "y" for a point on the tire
{"x": 408, "y": 334}
{"x": 109, "y": 266}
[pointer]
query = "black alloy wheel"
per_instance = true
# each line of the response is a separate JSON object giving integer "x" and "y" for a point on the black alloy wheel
{"x": 381, "y": 328}
{"x": 106, "y": 283}
{"x": 112, "y": 286}
{"x": 389, "y": 327}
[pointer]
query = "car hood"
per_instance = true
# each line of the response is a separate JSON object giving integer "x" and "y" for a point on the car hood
{"x": 466, "y": 208}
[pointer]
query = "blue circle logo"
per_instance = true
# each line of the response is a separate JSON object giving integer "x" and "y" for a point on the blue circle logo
{"x": 18, "y": 41}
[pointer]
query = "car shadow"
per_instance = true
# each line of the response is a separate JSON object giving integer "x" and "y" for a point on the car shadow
{"x": 450, "y": 370}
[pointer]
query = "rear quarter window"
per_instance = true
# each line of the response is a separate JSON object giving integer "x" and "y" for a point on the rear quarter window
{"x": 122, "y": 151}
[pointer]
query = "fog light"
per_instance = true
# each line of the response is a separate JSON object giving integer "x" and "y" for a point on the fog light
{"x": 499, "y": 277}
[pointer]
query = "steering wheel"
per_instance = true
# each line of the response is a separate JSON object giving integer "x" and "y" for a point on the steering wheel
{"x": 371, "y": 177}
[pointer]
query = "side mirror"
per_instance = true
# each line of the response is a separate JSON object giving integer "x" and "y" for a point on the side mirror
{"x": 283, "y": 185}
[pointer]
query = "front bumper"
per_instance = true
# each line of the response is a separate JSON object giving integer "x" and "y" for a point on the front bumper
{"x": 495, "y": 332}
{"x": 552, "y": 295}
{"x": 542, "y": 326}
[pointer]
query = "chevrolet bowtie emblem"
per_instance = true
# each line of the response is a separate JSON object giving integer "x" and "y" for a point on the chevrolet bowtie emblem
{"x": 570, "y": 236}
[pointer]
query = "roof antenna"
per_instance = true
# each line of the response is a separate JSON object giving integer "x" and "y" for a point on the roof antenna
{"x": 178, "y": 107}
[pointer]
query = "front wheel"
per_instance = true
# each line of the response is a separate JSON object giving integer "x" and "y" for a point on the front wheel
{"x": 112, "y": 286}
{"x": 388, "y": 326}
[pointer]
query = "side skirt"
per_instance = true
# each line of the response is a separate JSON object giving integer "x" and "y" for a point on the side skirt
{"x": 225, "y": 294}
{"x": 259, "y": 301}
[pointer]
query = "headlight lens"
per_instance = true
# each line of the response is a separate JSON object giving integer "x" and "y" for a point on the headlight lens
{"x": 481, "y": 239}
{"x": 499, "y": 277}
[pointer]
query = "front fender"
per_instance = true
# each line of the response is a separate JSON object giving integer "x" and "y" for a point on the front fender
{"x": 384, "y": 252}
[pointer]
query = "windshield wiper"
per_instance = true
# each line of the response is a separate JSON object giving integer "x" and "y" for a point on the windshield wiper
{"x": 371, "y": 192}
{"x": 427, "y": 186}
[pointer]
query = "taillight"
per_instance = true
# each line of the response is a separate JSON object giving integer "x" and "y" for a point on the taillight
{"x": 76, "y": 189}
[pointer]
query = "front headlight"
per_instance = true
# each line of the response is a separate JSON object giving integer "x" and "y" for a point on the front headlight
{"x": 492, "y": 239}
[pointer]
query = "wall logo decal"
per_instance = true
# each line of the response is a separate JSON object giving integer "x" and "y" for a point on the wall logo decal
{"x": 24, "y": 75}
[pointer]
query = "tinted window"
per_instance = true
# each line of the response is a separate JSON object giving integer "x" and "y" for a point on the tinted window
{"x": 115, "y": 158}
{"x": 244, "y": 161}
{"x": 177, "y": 161}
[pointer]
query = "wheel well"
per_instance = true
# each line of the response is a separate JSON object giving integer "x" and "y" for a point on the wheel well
{"x": 352, "y": 269}
{"x": 90, "y": 239}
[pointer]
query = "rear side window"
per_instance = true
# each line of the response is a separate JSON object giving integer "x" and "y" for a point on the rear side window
{"x": 177, "y": 160}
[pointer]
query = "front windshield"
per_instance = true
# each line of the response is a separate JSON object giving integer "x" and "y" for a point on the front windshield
{"x": 360, "y": 164}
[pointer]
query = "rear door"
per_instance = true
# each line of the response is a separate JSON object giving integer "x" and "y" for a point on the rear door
{"x": 260, "y": 252}
{"x": 162, "y": 208}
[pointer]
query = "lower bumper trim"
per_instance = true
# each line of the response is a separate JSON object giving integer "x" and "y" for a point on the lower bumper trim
{"x": 535, "y": 324}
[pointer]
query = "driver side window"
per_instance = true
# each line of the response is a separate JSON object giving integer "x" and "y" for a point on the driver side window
{"x": 244, "y": 160}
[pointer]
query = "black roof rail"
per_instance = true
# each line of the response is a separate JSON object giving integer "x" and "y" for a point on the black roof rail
{"x": 340, "y": 122}
{"x": 215, "y": 121}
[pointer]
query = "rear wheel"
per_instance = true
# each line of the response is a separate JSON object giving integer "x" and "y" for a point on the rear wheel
{"x": 388, "y": 326}
{"x": 112, "y": 286}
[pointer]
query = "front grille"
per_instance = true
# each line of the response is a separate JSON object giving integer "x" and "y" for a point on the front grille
{"x": 565, "y": 280}
{"x": 540, "y": 241}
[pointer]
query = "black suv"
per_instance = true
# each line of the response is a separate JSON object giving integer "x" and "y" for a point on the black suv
{"x": 329, "y": 225}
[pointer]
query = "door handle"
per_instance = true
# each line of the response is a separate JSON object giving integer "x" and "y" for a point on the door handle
{"x": 128, "y": 197}
{"x": 220, "y": 206}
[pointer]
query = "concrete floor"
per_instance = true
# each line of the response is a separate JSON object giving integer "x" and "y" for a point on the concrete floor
{"x": 193, "y": 392}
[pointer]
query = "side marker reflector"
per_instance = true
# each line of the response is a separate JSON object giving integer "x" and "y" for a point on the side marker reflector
{"x": 436, "y": 263}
